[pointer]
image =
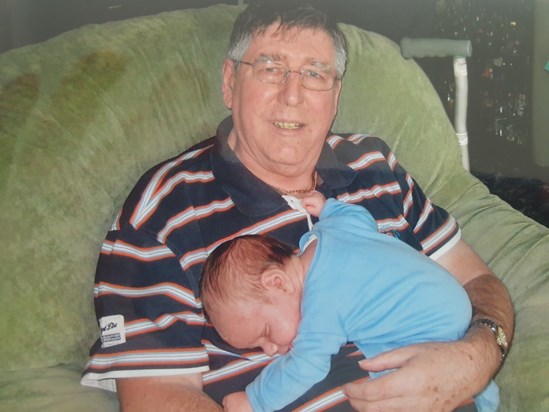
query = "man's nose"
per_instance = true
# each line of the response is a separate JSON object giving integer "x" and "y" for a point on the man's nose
{"x": 292, "y": 89}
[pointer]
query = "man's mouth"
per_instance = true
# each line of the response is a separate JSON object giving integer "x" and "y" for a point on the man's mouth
{"x": 287, "y": 125}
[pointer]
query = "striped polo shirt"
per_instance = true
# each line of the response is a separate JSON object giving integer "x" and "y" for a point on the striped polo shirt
{"x": 146, "y": 291}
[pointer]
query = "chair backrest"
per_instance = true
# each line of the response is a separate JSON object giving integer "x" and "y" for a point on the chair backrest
{"x": 83, "y": 115}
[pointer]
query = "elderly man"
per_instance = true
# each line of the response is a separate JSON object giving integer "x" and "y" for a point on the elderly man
{"x": 281, "y": 80}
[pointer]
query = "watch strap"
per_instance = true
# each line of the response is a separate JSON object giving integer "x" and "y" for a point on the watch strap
{"x": 499, "y": 334}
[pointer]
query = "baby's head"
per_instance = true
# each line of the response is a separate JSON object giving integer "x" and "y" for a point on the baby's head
{"x": 247, "y": 293}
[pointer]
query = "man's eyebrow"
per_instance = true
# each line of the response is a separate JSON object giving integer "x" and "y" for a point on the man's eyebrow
{"x": 321, "y": 65}
{"x": 281, "y": 58}
{"x": 270, "y": 57}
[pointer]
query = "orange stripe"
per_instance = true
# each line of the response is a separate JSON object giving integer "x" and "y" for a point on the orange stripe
{"x": 125, "y": 288}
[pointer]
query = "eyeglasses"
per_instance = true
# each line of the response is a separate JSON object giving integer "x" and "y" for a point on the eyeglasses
{"x": 312, "y": 77}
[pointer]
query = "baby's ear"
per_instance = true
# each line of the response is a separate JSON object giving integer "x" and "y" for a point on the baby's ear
{"x": 276, "y": 280}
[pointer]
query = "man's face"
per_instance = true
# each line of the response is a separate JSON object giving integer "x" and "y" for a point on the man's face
{"x": 280, "y": 128}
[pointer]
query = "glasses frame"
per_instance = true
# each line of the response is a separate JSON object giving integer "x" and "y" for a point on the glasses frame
{"x": 288, "y": 71}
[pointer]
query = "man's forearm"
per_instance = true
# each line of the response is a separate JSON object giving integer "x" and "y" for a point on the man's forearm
{"x": 491, "y": 300}
{"x": 162, "y": 394}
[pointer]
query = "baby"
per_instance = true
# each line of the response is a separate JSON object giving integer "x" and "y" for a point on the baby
{"x": 348, "y": 283}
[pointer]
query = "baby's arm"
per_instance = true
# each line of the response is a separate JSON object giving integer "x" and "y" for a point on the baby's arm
{"x": 313, "y": 202}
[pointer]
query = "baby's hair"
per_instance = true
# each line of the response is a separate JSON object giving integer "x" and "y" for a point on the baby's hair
{"x": 233, "y": 270}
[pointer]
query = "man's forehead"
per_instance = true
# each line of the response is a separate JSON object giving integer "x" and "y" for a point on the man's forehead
{"x": 276, "y": 41}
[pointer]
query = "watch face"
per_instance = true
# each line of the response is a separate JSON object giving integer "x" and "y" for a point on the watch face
{"x": 501, "y": 338}
{"x": 499, "y": 334}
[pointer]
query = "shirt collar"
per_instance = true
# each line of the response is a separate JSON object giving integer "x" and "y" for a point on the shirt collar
{"x": 251, "y": 195}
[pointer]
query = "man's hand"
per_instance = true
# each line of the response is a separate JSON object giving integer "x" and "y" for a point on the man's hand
{"x": 237, "y": 402}
{"x": 428, "y": 377}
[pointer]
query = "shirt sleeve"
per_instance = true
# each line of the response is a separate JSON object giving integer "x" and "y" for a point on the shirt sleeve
{"x": 433, "y": 227}
{"x": 149, "y": 317}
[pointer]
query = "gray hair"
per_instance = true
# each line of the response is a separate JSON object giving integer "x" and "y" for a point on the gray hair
{"x": 290, "y": 14}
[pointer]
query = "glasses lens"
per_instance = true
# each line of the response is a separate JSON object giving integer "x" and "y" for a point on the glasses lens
{"x": 315, "y": 78}
{"x": 312, "y": 77}
{"x": 270, "y": 72}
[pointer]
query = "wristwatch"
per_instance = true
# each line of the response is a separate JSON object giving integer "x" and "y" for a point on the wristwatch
{"x": 499, "y": 334}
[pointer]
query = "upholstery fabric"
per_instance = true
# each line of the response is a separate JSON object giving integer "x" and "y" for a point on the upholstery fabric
{"x": 84, "y": 114}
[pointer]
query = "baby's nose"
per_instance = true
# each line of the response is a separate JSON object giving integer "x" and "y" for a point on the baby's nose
{"x": 269, "y": 348}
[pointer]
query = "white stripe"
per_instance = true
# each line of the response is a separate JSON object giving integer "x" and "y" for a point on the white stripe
{"x": 447, "y": 246}
{"x": 154, "y": 201}
{"x": 163, "y": 322}
{"x": 427, "y": 210}
{"x": 366, "y": 160}
{"x": 370, "y": 193}
{"x": 107, "y": 247}
{"x": 156, "y": 252}
{"x": 189, "y": 259}
{"x": 357, "y": 138}
{"x": 323, "y": 402}
{"x": 440, "y": 234}
{"x": 107, "y": 380}
{"x": 392, "y": 224}
{"x": 237, "y": 367}
{"x": 201, "y": 254}
{"x": 148, "y": 291}
{"x": 147, "y": 203}
{"x": 179, "y": 220}
{"x": 116, "y": 223}
{"x": 334, "y": 140}
{"x": 408, "y": 199}
{"x": 391, "y": 159}
{"x": 211, "y": 348}
{"x": 129, "y": 358}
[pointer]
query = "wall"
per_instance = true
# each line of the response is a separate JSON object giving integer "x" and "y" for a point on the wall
{"x": 540, "y": 101}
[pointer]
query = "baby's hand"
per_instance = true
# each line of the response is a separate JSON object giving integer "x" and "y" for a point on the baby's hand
{"x": 313, "y": 202}
{"x": 237, "y": 402}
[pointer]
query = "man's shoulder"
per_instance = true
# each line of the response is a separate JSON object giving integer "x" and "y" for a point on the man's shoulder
{"x": 360, "y": 151}
{"x": 357, "y": 143}
{"x": 169, "y": 180}
{"x": 192, "y": 160}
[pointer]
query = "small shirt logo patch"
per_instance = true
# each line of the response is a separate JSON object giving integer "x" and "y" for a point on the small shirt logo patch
{"x": 112, "y": 330}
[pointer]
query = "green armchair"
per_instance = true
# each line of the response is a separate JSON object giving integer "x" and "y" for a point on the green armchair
{"x": 84, "y": 114}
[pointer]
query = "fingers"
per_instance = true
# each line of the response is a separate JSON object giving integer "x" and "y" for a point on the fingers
{"x": 313, "y": 202}
{"x": 388, "y": 360}
{"x": 370, "y": 390}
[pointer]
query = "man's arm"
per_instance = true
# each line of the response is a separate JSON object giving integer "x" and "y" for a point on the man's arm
{"x": 166, "y": 393}
{"x": 439, "y": 376}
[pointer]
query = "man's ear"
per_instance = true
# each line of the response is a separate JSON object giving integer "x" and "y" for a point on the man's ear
{"x": 228, "y": 73}
{"x": 275, "y": 279}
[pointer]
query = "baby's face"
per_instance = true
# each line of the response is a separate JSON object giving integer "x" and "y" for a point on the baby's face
{"x": 252, "y": 323}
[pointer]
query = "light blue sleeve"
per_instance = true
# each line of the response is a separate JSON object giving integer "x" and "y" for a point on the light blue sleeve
{"x": 291, "y": 375}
